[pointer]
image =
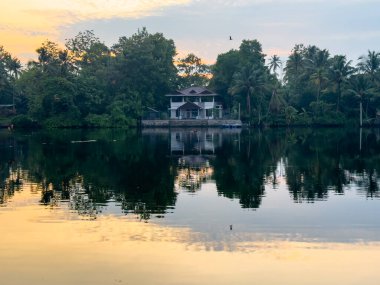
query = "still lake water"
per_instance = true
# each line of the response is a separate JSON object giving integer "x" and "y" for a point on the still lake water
{"x": 190, "y": 206}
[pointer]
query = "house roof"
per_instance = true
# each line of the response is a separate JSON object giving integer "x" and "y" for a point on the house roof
{"x": 189, "y": 105}
{"x": 193, "y": 91}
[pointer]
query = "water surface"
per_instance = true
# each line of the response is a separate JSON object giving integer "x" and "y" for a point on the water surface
{"x": 190, "y": 206}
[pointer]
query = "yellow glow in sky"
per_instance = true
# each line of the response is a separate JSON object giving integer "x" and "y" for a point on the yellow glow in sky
{"x": 24, "y": 24}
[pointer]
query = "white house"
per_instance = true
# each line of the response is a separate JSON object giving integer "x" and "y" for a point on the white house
{"x": 194, "y": 103}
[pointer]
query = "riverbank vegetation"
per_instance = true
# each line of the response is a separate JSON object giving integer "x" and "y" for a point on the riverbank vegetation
{"x": 88, "y": 84}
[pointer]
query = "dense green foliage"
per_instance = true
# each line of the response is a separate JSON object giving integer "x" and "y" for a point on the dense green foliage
{"x": 88, "y": 84}
{"x": 316, "y": 89}
{"x": 192, "y": 71}
{"x": 9, "y": 72}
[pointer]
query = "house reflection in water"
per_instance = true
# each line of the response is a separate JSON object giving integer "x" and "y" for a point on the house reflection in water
{"x": 194, "y": 141}
{"x": 192, "y": 171}
{"x": 194, "y": 149}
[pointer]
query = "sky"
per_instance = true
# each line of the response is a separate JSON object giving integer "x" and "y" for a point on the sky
{"x": 203, "y": 27}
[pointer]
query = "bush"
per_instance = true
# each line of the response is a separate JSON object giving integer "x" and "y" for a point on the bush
{"x": 61, "y": 121}
{"x": 164, "y": 116}
{"x": 97, "y": 121}
{"x": 290, "y": 115}
{"x": 24, "y": 121}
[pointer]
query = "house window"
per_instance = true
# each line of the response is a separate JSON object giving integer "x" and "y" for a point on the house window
{"x": 208, "y": 112}
{"x": 177, "y": 113}
{"x": 194, "y": 113}
{"x": 176, "y": 99}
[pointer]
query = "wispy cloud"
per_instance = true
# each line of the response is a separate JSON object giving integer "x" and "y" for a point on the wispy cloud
{"x": 199, "y": 26}
{"x": 26, "y": 23}
{"x": 50, "y": 14}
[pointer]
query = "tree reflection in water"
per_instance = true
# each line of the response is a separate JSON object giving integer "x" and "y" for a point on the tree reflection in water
{"x": 143, "y": 173}
{"x": 81, "y": 202}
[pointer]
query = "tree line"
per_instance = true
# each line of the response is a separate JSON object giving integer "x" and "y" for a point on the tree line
{"x": 88, "y": 84}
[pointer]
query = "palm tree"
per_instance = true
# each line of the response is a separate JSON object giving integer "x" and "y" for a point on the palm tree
{"x": 43, "y": 56}
{"x": 319, "y": 77}
{"x": 295, "y": 65}
{"x": 319, "y": 66}
{"x": 3, "y": 70}
{"x": 14, "y": 67}
{"x": 276, "y": 102}
{"x": 249, "y": 81}
{"x": 370, "y": 64}
{"x": 274, "y": 63}
{"x": 339, "y": 71}
{"x": 360, "y": 87}
{"x": 64, "y": 58}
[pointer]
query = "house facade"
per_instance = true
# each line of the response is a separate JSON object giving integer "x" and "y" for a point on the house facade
{"x": 194, "y": 103}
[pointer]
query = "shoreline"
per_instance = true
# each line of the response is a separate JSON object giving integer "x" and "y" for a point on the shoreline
{"x": 243, "y": 126}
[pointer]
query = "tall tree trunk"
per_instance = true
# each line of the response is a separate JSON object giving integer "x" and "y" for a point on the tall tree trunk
{"x": 338, "y": 99}
{"x": 319, "y": 91}
{"x": 259, "y": 107}
{"x": 249, "y": 104}
{"x": 259, "y": 115}
{"x": 361, "y": 112}
{"x": 272, "y": 98}
{"x": 13, "y": 101}
{"x": 249, "y": 147}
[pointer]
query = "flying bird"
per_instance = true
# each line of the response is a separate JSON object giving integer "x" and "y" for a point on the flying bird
{"x": 230, "y": 38}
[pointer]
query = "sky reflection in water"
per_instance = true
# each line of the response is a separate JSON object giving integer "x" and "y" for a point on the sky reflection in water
{"x": 157, "y": 207}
